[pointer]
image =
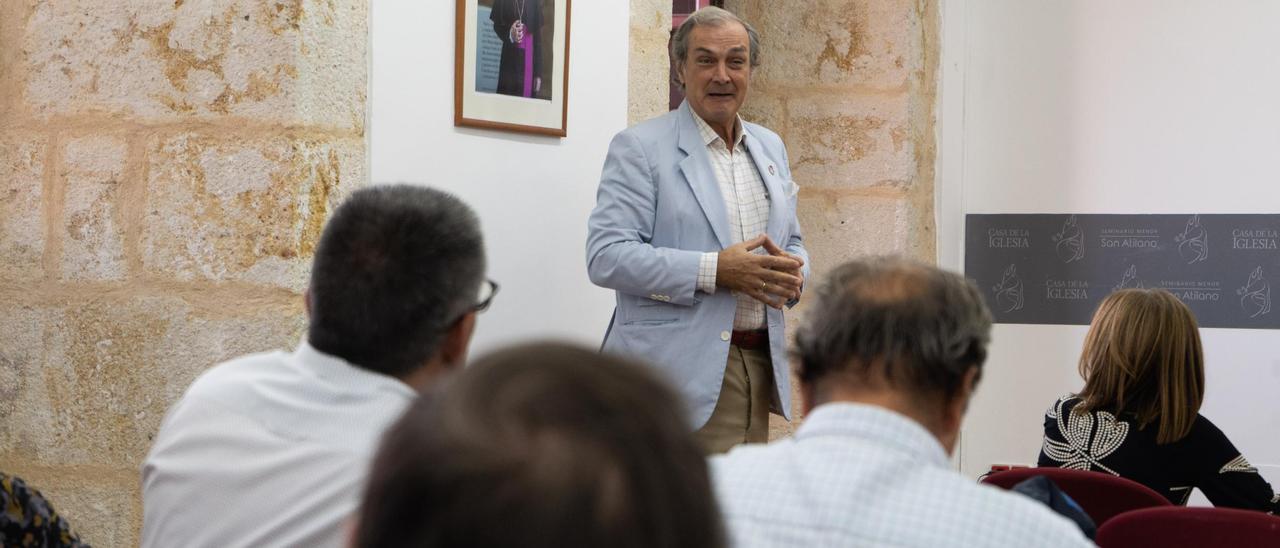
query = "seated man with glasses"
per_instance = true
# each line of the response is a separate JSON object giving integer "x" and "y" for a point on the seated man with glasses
{"x": 273, "y": 449}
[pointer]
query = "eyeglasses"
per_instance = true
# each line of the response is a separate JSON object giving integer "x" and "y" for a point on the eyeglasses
{"x": 487, "y": 292}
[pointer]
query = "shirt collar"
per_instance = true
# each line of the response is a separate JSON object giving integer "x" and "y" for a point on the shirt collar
{"x": 343, "y": 373}
{"x": 709, "y": 134}
{"x": 875, "y": 424}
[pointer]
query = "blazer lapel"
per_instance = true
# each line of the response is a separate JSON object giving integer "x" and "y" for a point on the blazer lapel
{"x": 696, "y": 167}
{"x": 771, "y": 173}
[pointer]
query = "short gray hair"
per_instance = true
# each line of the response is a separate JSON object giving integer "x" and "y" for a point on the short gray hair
{"x": 395, "y": 267}
{"x": 710, "y": 16}
{"x": 911, "y": 326}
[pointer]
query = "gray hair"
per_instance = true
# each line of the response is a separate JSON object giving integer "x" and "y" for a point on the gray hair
{"x": 710, "y": 16}
{"x": 395, "y": 267}
{"x": 910, "y": 326}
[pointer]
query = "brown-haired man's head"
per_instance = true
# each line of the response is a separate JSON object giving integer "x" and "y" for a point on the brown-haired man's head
{"x": 542, "y": 445}
{"x": 899, "y": 334}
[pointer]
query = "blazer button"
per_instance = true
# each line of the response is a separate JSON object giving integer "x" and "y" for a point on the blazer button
{"x": 724, "y": 335}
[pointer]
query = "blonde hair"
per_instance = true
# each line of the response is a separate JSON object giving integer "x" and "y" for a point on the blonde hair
{"x": 1142, "y": 356}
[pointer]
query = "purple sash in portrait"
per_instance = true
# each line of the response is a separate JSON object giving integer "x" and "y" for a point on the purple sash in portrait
{"x": 527, "y": 45}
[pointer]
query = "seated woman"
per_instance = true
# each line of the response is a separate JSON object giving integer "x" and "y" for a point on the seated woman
{"x": 1138, "y": 414}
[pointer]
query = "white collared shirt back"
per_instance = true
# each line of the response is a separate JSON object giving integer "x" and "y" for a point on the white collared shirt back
{"x": 859, "y": 475}
{"x": 267, "y": 450}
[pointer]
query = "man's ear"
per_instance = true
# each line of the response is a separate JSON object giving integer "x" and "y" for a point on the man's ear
{"x": 953, "y": 410}
{"x": 959, "y": 403}
{"x": 808, "y": 398}
{"x": 453, "y": 349}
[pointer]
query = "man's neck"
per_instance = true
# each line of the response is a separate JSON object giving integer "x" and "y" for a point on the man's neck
{"x": 729, "y": 133}
{"x": 424, "y": 377}
{"x": 892, "y": 400}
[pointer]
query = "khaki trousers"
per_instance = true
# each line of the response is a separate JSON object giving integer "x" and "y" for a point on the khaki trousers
{"x": 741, "y": 414}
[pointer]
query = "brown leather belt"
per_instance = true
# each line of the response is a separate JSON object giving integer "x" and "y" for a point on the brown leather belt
{"x": 751, "y": 340}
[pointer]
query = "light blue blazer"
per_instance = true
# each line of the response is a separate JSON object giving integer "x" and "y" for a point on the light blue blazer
{"x": 657, "y": 211}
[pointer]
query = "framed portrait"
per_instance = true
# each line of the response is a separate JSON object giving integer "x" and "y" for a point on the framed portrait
{"x": 511, "y": 70}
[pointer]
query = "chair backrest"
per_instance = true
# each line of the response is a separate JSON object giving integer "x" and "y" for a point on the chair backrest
{"x": 1101, "y": 495}
{"x": 1178, "y": 527}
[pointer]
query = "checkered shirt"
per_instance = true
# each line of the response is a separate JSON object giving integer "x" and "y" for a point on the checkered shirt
{"x": 747, "y": 203}
{"x": 861, "y": 475}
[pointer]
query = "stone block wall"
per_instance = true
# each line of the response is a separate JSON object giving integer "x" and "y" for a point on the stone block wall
{"x": 850, "y": 85}
{"x": 650, "y": 76}
{"x": 165, "y": 169}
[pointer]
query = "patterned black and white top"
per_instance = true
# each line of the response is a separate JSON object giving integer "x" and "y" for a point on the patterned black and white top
{"x": 1204, "y": 459}
{"x": 27, "y": 519}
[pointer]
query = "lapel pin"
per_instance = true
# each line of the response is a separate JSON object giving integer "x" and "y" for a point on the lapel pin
{"x": 771, "y": 172}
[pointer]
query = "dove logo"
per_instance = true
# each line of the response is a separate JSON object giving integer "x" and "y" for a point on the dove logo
{"x": 1129, "y": 280}
{"x": 1070, "y": 241}
{"x": 1009, "y": 291}
{"x": 1255, "y": 296}
{"x": 1193, "y": 243}
{"x": 1264, "y": 239}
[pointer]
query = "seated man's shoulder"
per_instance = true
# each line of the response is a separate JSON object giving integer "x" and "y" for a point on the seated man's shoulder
{"x": 743, "y": 458}
{"x": 1015, "y": 516}
{"x": 236, "y": 374}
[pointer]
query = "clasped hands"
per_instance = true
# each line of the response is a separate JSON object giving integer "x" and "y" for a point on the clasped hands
{"x": 772, "y": 279}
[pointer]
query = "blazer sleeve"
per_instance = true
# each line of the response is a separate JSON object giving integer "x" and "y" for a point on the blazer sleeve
{"x": 619, "y": 255}
{"x": 1225, "y": 477}
{"x": 795, "y": 244}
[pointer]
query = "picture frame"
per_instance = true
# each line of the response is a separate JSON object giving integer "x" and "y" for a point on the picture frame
{"x": 511, "y": 65}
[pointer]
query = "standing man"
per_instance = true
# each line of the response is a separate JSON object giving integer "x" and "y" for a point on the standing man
{"x": 695, "y": 229}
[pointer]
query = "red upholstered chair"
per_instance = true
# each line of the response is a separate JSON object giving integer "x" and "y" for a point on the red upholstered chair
{"x": 1178, "y": 527}
{"x": 1101, "y": 495}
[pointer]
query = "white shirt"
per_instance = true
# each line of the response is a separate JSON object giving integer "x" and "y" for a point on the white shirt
{"x": 747, "y": 202}
{"x": 861, "y": 475}
{"x": 267, "y": 450}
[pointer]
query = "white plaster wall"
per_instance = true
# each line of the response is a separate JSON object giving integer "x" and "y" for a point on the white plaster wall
{"x": 533, "y": 194}
{"x": 1095, "y": 106}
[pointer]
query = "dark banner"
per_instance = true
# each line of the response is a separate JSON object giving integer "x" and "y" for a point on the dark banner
{"x": 1055, "y": 269}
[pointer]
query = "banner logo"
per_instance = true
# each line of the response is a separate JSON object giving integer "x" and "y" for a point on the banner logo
{"x": 1070, "y": 241}
{"x": 1008, "y": 238}
{"x": 1193, "y": 243}
{"x": 1066, "y": 290}
{"x": 1255, "y": 296}
{"x": 1254, "y": 239}
{"x": 1129, "y": 280}
{"x": 1129, "y": 238}
{"x": 1009, "y": 291}
{"x": 1193, "y": 291}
